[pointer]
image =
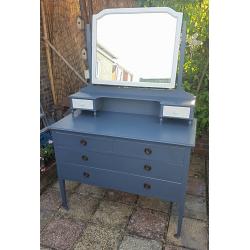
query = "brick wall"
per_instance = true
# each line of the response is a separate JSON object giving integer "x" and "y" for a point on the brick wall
{"x": 202, "y": 145}
{"x": 69, "y": 41}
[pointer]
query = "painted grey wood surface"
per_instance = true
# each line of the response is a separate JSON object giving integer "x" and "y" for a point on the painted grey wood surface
{"x": 130, "y": 126}
{"x": 128, "y": 152}
{"x": 122, "y": 181}
{"x": 130, "y": 165}
{"x": 174, "y": 97}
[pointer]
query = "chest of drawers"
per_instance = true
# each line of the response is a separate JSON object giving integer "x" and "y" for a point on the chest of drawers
{"x": 127, "y": 152}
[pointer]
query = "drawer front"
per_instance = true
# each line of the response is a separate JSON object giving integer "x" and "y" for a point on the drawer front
{"x": 121, "y": 181}
{"x": 82, "y": 141}
{"x": 166, "y": 153}
{"x": 143, "y": 167}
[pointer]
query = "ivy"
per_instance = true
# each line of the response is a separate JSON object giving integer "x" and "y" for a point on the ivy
{"x": 196, "y": 70}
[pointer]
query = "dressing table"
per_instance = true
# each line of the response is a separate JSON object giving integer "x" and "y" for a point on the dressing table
{"x": 132, "y": 127}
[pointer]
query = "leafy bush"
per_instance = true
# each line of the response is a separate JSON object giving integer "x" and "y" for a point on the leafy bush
{"x": 196, "y": 73}
{"x": 47, "y": 153}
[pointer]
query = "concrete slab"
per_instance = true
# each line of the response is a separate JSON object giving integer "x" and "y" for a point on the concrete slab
{"x": 50, "y": 200}
{"x": 197, "y": 168}
{"x": 195, "y": 207}
{"x": 61, "y": 234}
{"x": 154, "y": 204}
{"x": 112, "y": 214}
{"x": 45, "y": 217}
{"x": 171, "y": 247}
{"x": 121, "y": 197}
{"x": 89, "y": 190}
{"x": 148, "y": 223}
{"x": 136, "y": 243}
{"x": 99, "y": 237}
{"x": 196, "y": 186}
{"x": 70, "y": 186}
{"x": 193, "y": 235}
{"x": 80, "y": 207}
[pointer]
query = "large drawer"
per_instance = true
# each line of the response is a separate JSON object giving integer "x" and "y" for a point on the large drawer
{"x": 82, "y": 141}
{"x": 163, "y": 152}
{"x": 143, "y": 167}
{"x": 121, "y": 181}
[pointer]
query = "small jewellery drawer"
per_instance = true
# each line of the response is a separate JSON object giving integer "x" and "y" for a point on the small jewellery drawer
{"x": 132, "y": 165}
{"x": 163, "y": 152}
{"x": 82, "y": 141}
{"x": 121, "y": 181}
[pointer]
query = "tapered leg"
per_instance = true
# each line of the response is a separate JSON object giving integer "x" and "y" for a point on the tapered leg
{"x": 180, "y": 217}
{"x": 63, "y": 193}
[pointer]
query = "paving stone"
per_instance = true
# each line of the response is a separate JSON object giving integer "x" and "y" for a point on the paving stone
{"x": 90, "y": 190}
{"x": 96, "y": 237}
{"x": 50, "y": 200}
{"x": 70, "y": 186}
{"x": 195, "y": 207}
{"x": 193, "y": 235}
{"x": 153, "y": 203}
{"x": 196, "y": 186}
{"x": 45, "y": 217}
{"x": 45, "y": 248}
{"x": 196, "y": 159}
{"x": 135, "y": 243}
{"x": 148, "y": 223}
{"x": 197, "y": 168}
{"x": 61, "y": 233}
{"x": 113, "y": 214}
{"x": 171, "y": 247}
{"x": 122, "y": 197}
{"x": 80, "y": 207}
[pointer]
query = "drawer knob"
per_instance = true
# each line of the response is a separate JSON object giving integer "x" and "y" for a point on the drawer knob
{"x": 83, "y": 142}
{"x": 147, "y": 186}
{"x": 85, "y": 158}
{"x": 86, "y": 174}
{"x": 147, "y": 167}
{"x": 148, "y": 151}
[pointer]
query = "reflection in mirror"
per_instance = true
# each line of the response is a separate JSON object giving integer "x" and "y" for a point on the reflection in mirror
{"x": 136, "y": 49}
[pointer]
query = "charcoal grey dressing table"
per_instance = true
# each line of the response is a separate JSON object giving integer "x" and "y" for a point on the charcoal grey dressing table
{"x": 132, "y": 127}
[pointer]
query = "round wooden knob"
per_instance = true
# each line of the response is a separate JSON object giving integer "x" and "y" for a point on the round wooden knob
{"x": 85, "y": 158}
{"x": 83, "y": 142}
{"x": 148, "y": 151}
{"x": 147, "y": 186}
{"x": 86, "y": 174}
{"x": 147, "y": 167}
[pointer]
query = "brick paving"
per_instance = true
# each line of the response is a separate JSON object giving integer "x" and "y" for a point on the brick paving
{"x": 102, "y": 219}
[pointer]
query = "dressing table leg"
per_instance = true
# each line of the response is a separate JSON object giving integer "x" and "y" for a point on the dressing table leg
{"x": 63, "y": 193}
{"x": 180, "y": 218}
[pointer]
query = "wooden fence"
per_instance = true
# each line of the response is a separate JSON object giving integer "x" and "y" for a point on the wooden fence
{"x": 60, "y": 19}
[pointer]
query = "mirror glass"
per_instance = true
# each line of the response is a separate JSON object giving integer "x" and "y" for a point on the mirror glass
{"x": 136, "y": 49}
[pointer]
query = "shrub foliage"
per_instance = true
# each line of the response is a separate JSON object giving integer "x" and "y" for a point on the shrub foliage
{"x": 196, "y": 70}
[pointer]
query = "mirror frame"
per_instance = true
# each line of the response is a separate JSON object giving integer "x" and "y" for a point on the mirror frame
{"x": 177, "y": 15}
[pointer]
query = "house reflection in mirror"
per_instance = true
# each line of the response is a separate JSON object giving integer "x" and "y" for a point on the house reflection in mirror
{"x": 108, "y": 68}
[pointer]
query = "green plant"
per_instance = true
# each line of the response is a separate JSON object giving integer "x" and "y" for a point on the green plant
{"x": 196, "y": 70}
{"x": 47, "y": 153}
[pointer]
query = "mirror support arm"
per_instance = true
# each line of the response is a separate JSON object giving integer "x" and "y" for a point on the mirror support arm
{"x": 182, "y": 55}
{"x": 89, "y": 48}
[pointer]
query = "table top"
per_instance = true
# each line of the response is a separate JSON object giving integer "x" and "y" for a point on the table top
{"x": 130, "y": 126}
{"x": 170, "y": 96}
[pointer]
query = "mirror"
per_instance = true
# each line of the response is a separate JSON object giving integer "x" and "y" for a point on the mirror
{"x": 136, "y": 47}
